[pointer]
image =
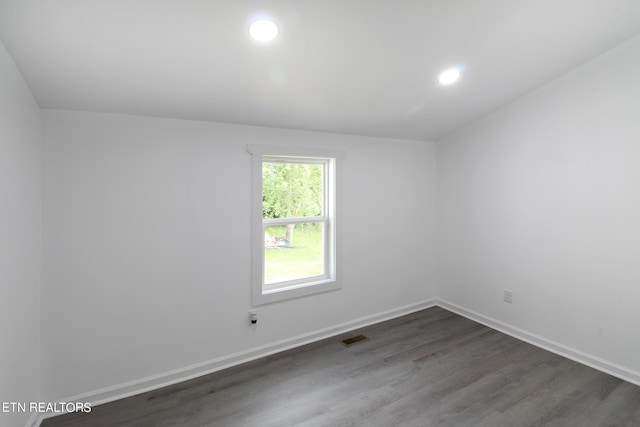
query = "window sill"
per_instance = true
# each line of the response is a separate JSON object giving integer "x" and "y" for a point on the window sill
{"x": 295, "y": 291}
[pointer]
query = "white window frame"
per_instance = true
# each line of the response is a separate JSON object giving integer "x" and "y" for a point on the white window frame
{"x": 330, "y": 280}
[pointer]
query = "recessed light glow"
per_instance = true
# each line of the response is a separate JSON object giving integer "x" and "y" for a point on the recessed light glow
{"x": 449, "y": 76}
{"x": 263, "y": 30}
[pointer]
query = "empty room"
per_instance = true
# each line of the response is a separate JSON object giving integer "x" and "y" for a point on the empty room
{"x": 330, "y": 213}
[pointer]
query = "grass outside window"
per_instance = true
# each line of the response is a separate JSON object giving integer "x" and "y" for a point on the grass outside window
{"x": 299, "y": 258}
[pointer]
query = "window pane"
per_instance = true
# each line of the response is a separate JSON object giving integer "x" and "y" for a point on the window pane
{"x": 292, "y": 189}
{"x": 293, "y": 251}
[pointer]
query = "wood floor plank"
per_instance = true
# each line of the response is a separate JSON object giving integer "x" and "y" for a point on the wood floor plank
{"x": 429, "y": 368}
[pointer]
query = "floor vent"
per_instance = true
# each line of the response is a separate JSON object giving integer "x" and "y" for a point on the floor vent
{"x": 354, "y": 340}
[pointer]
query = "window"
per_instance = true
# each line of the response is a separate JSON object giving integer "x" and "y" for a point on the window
{"x": 294, "y": 220}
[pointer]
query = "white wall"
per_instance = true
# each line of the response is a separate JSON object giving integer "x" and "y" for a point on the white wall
{"x": 543, "y": 197}
{"x": 147, "y": 257}
{"x": 20, "y": 239}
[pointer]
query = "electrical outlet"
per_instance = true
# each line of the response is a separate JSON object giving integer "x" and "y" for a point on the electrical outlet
{"x": 507, "y": 296}
{"x": 253, "y": 317}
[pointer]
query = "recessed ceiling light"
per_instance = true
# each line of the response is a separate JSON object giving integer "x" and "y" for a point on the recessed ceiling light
{"x": 263, "y": 30}
{"x": 449, "y": 76}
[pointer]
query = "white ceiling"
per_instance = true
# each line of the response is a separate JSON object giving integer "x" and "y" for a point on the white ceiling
{"x": 365, "y": 67}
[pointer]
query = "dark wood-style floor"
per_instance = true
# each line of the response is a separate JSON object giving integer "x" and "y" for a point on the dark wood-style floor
{"x": 430, "y": 368}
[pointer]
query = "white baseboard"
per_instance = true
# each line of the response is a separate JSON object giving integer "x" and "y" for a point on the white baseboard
{"x": 120, "y": 391}
{"x": 34, "y": 420}
{"x": 552, "y": 346}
